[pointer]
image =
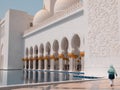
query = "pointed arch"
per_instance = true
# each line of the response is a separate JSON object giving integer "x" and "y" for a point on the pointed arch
{"x": 75, "y": 43}
{"x": 41, "y": 49}
{"x": 48, "y": 47}
{"x": 27, "y": 52}
{"x": 36, "y": 49}
{"x": 31, "y": 51}
{"x": 64, "y": 44}
{"x": 55, "y": 46}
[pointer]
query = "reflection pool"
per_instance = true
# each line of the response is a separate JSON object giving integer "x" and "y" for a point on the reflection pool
{"x": 13, "y": 77}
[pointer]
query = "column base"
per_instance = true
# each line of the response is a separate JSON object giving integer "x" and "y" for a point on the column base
{"x": 60, "y": 70}
{"x": 52, "y": 70}
{"x": 39, "y": 69}
{"x": 29, "y": 69}
{"x": 70, "y": 71}
{"x": 34, "y": 69}
{"x": 45, "y": 69}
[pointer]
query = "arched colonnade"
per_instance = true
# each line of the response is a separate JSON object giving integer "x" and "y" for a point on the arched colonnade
{"x": 40, "y": 57}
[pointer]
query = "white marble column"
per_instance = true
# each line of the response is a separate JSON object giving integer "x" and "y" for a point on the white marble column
{"x": 71, "y": 65}
{"x": 34, "y": 64}
{"x": 25, "y": 64}
{"x": 39, "y": 65}
{"x": 82, "y": 63}
{"x": 39, "y": 61}
{"x": 29, "y": 65}
{"x": 75, "y": 63}
{"x": 61, "y": 64}
{"x": 45, "y": 64}
{"x": 34, "y": 61}
{"x": 52, "y": 64}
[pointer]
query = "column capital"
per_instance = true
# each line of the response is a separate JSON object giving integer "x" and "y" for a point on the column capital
{"x": 41, "y": 58}
{"x": 25, "y": 59}
{"x": 53, "y": 57}
{"x": 46, "y": 57}
{"x": 72, "y": 55}
{"x": 82, "y": 53}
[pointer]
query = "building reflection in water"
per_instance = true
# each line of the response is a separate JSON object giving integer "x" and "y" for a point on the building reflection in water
{"x": 30, "y": 74}
{"x": 13, "y": 77}
{"x": 52, "y": 76}
{"x": 70, "y": 76}
{"x": 25, "y": 75}
{"x": 47, "y": 76}
{"x": 39, "y": 77}
{"x": 34, "y": 77}
{"x": 61, "y": 77}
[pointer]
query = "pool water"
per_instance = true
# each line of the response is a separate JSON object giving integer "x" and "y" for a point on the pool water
{"x": 13, "y": 77}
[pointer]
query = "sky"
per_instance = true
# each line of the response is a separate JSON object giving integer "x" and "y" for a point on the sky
{"x": 29, "y": 6}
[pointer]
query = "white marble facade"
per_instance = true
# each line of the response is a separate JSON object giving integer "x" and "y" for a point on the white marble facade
{"x": 70, "y": 35}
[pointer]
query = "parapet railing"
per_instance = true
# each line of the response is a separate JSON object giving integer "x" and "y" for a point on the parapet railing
{"x": 56, "y": 16}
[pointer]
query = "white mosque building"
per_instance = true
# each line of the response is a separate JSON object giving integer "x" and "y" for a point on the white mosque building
{"x": 66, "y": 35}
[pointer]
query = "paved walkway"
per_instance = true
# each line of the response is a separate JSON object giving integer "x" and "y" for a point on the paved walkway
{"x": 87, "y": 85}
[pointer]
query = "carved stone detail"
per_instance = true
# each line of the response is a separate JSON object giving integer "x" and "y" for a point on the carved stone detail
{"x": 103, "y": 25}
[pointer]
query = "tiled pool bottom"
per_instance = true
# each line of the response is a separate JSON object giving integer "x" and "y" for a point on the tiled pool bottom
{"x": 15, "y": 77}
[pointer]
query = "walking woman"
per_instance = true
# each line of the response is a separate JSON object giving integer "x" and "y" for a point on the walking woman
{"x": 111, "y": 74}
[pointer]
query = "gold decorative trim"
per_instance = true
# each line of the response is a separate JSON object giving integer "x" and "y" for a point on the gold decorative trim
{"x": 35, "y": 58}
{"x": 41, "y": 58}
{"x": 31, "y": 58}
{"x": 82, "y": 54}
{"x": 78, "y": 60}
{"x": 61, "y": 56}
{"x": 46, "y": 58}
{"x": 54, "y": 58}
{"x": 71, "y": 55}
{"x": 65, "y": 58}
{"x": 25, "y": 59}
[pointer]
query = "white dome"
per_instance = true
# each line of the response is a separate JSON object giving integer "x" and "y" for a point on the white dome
{"x": 40, "y": 16}
{"x": 64, "y": 4}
